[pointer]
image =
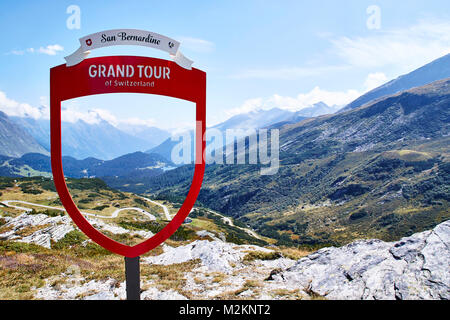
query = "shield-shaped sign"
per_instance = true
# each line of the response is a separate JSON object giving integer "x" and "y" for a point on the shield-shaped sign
{"x": 127, "y": 74}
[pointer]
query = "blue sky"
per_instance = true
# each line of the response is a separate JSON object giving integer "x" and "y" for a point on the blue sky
{"x": 257, "y": 54}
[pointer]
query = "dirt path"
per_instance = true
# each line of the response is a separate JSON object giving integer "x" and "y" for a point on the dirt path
{"x": 114, "y": 214}
{"x": 229, "y": 221}
{"x": 165, "y": 210}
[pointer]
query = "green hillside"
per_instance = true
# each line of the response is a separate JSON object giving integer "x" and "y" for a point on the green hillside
{"x": 381, "y": 170}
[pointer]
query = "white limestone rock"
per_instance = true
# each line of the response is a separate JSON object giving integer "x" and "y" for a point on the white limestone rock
{"x": 416, "y": 267}
{"x": 155, "y": 294}
{"x": 56, "y": 228}
{"x": 214, "y": 255}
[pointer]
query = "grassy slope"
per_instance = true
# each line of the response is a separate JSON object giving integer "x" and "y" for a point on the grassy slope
{"x": 377, "y": 171}
{"x": 92, "y": 195}
{"x": 24, "y": 267}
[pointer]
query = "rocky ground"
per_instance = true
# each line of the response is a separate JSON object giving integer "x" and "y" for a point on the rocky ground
{"x": 416, "y": 267}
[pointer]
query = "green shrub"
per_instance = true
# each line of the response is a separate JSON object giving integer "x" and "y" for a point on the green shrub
{"x": 358, "y": 215}
{"x": 48, "y": 212}
{"x": 30, "y": 188}
{"x": 121, "y": 196}
{"x": 260, "y": 255}
{"x": 390, "y": 219}
{"x": 53, "y": 213}
{"x": 87, "y": 184}
{"x": 57, "y": 202}
{"x": 19, "y": 247}
{"x": 6, "y": 182}
{"x": 70, "y": 239}
{"x": 182, "y": 233}
{"x": 48, "y": 185}
{"x": 233, "y": 239}
{"x": 89, "y": 250}
{"x": 100, "y": 208}
{"x": 141, "y": 202}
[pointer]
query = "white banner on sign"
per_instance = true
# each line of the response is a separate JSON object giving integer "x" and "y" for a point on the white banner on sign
{"x": 119, "y": 37}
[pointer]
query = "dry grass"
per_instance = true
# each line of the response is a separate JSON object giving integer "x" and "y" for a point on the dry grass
{"x": 21, "y": 273}
{"x": 261, "y": 255}
{"x": 408, "y": 155}
{"x": 86, "y": 200}
{"x": 125, "y": 238}
{"x": 26, "y": 267}
{"x": 4, "y": 229}
{"x": 24, "y": 232}
{"x": 217, "y": 277}
{"x": 294, "y": 253}
{"x": 286, "y": 294}
{"x": 170, "y": 277}
{"x": 254, "y": 286}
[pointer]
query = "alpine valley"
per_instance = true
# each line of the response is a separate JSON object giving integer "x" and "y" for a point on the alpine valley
{"x": 359, "y": 208}
{"x": 379, "y": 168}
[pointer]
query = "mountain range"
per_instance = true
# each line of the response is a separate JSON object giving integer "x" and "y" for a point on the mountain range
{"x": 379, "y": 170}
{"x": 104, "y": 141}
{"x": 16, "y": 141}
{"x": 433, "y": 71}
{"x": 99, "y": 140}
{"x": 252, "y": 120}
{"x": 129, "y": 165}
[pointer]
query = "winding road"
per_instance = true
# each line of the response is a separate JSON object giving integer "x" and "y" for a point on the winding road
{"x": 227, "y": 220}
{"x": 113, "y": 215}
{"x": 165, "y": 210}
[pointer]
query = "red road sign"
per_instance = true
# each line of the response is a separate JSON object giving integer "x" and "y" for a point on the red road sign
{"x": 129, "y": 74}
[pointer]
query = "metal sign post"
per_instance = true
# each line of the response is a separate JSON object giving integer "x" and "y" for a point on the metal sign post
{"x": 133, "y": 278}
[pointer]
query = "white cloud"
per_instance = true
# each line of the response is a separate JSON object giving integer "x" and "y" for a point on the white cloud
{"x": 50, "y": 50}
{"x": 301, "y": 101}
{"x": 139, "y": 122}
{"x": 248, "y": 106}
{"x": 403, "y": 49}
{"x": 305, "y": 100}
{"x": 73, "y": 114}
{"x": 375, "y": 80}
{"x": 407, "y": 48}
{"x": 181, "y": 127}
{"x": 17, "y": 52}
{"x": 19, "y": 109}
{"x": 70, "y": 112}
{"x": 44, "y": 101}
{"x": 196, "y": 44}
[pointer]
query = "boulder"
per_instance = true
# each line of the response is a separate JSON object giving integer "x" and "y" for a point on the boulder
{"x": 416, "y": 267}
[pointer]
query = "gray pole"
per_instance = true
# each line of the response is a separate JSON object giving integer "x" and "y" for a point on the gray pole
{"x": 133, "y": 278}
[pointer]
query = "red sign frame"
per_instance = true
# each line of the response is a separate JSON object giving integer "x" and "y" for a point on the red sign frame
{"x": 76, "y": 81}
